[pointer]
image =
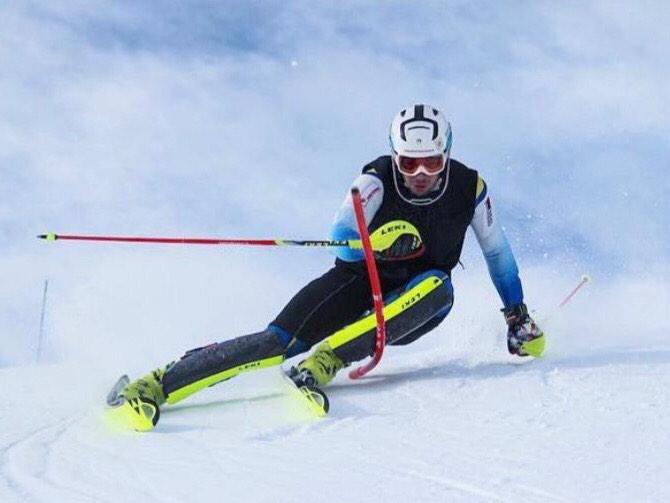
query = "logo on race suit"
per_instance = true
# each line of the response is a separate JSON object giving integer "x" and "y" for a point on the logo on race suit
{"x": 393, "y": 228}
{"x": 366, "y": 199}
{"x": 489, "y": 212}
{"x": 248, "y": 366}
{"x": 411, "y": 301}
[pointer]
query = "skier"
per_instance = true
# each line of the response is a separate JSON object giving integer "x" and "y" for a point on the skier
{"x": 419, "y": 184}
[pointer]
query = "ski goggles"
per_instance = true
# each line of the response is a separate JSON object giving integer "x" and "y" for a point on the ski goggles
{"x": 412, "y": 166}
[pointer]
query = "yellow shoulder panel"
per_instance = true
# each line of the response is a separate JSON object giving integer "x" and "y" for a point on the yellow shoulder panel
{"x": 480, "y": 186}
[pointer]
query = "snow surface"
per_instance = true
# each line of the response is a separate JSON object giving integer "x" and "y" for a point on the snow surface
{"x": 449, "y": 418}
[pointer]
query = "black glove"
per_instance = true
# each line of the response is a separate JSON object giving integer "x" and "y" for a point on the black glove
{"x": 521, "y": 329}
{"x": 407, "y": 246}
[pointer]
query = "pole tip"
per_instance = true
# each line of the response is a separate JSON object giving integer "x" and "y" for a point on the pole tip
{"x": 586, "y": 278}
{"x": 49, "y": 237}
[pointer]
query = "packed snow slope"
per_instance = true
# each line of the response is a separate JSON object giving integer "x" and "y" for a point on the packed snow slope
{"x": 251, "y": 119}
{"x": 449, "y": 418}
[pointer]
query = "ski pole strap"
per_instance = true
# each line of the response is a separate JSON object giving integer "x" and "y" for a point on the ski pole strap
{"x": 371, "y": 265}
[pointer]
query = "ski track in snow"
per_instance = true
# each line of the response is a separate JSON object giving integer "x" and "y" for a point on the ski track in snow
{"x": 420, "y": 427}
{"x": 26, "y": 463}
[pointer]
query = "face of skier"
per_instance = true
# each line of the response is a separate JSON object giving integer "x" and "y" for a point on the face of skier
{"x": 421, "y": 184}
{"x": 421, "y": 174}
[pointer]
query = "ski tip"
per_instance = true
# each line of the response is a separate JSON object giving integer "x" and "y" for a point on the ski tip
{"x": 49, "y": 236}
{"x": 113, "y": 397}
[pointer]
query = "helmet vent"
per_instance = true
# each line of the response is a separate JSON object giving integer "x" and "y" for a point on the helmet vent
{"x": 418, "y": 112}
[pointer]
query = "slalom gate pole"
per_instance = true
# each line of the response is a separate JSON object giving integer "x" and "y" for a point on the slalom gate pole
{"x": 40, "y": 335}
{"x": 197, "y": 241}
{"x": 380, "y": 340}
{"x": 585, "y": 279}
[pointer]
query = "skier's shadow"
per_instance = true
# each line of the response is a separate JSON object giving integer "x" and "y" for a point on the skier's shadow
{"x": 458, "y": 369}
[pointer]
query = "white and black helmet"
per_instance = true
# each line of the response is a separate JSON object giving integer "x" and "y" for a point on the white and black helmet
{"x": 420, "y": 131}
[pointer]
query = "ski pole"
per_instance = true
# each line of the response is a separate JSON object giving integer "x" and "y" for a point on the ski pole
{"x": 380, "y": 340}
{"x": 353, "y": 243}
{"x": 381, "y": 239}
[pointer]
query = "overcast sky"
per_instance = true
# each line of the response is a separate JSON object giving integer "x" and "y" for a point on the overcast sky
{"x": 252, "y": 118}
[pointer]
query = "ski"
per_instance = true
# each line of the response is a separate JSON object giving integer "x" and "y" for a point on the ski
{"x": 142, "y": 414}
{"x": 113, "y": 398}
{"x": 312, "y": 396}
{"x": 139, "y": 414}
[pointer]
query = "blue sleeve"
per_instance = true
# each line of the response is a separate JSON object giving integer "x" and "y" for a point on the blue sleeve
{"x": 504, "y": 273}
{"x": 339, "y": 231}
{"x": 496, "y": 249}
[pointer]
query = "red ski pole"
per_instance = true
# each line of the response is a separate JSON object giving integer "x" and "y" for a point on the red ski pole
{"x": 380, "y": 340}
{"x": 198, "y": 241}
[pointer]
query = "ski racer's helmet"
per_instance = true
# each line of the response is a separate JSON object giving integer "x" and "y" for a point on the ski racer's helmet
{"x": 420, "y": 142}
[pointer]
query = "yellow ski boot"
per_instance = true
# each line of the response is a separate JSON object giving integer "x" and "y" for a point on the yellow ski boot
{"x": 321, "y": 367}
{"x": 136, "y": 405}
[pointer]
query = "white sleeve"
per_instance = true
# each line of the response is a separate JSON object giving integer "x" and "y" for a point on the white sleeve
{"x": 372, "y": 195}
